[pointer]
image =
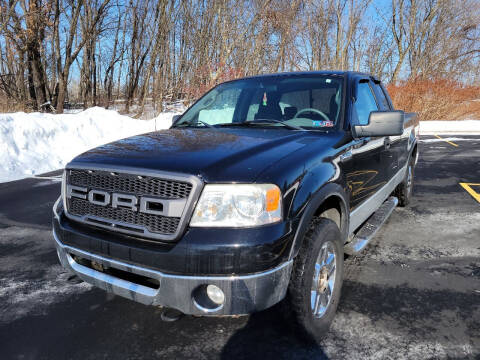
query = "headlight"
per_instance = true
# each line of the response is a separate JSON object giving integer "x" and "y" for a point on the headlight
{"x": 238, "y": 205}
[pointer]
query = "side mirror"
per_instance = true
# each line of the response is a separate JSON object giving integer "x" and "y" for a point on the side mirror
{"x": 382, "y": 123}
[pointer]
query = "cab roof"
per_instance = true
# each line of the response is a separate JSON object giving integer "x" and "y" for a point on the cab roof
{"x": 306, "y": 73}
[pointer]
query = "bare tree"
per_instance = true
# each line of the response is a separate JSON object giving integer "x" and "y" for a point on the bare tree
{"x": 145, "y": 52}
{"x": 118, "y": 50}
{"x": 27, "y": 31}
{"x": 71, "y": 49}
{"x": 435, "y": 54}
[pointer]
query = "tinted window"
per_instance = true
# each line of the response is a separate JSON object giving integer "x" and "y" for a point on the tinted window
{"x": 365, "y": 103}
{"x": 306, "y": 101}
{"x": 221, "y": 108}
{"x": 382, "y": 100}
{"x": 295, "y": 99}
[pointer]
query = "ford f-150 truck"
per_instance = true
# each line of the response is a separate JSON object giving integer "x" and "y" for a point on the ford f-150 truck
{"x": 251, "y": 198}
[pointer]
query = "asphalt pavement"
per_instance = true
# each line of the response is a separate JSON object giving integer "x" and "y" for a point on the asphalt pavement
{"x": 413, "y": 293}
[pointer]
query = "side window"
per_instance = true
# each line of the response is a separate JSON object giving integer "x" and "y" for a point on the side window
{"x": 382, "y": 100}
{"x": 365, "y": 103}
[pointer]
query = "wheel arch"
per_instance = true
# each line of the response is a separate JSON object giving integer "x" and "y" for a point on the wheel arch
{"x": 413, "y": 150}
{"x": 328, "y": 202}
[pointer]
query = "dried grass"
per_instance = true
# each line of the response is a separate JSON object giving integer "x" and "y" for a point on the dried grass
{"x": 8, "y": 105}
{"x": 438, "y": 99}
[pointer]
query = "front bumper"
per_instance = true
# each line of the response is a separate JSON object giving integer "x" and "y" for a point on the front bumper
{"x": 244, "y": 294}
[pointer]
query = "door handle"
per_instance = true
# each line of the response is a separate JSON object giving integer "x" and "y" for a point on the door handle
{"x": 347, "y": 155}
{"x": 387, "y": 143}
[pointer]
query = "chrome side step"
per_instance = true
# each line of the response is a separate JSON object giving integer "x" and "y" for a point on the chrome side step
{"x": 371, "y": 226}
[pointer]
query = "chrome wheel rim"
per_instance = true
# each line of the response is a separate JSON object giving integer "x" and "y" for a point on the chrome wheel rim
{"x": 323, "y": 281}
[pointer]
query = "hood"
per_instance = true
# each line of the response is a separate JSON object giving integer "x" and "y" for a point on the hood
{"x": 217, "y": 155}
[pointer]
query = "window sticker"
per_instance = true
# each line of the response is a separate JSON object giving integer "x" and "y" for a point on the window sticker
{"x": 264, "y": 102}
{"x": 323, "y": 123}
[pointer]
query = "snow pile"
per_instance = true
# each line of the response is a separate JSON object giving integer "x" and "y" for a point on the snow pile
{"x": 36, "y": 143}
{"x": 460, "y": 127}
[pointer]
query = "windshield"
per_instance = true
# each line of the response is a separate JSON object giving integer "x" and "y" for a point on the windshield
{"x": 310, "y": 102}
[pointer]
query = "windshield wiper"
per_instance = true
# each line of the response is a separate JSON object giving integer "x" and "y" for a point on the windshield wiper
{"x": 288, "y": 126}
{"x": 187, "y": 124}
{"x": 206, "y": 124}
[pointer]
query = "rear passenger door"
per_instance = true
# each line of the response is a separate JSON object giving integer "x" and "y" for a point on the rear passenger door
{"x": 370, "y": 167}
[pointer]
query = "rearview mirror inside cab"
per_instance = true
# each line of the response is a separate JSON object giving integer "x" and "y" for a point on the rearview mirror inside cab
{"x": 381, "y": 123}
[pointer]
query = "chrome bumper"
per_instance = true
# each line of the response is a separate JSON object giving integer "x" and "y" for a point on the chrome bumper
{"x": 243, "y": 294}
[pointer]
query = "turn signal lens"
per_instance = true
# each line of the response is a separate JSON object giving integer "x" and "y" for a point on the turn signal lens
{"x": 272, "y": 199}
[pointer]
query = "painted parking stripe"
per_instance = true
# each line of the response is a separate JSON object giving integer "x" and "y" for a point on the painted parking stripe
{"x": 451, "y": 143}
{"x": 468, "y": 188}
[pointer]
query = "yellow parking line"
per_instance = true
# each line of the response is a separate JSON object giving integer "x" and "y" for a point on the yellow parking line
{"x": 468, "y": 188}
{"x": 451, "y": 143}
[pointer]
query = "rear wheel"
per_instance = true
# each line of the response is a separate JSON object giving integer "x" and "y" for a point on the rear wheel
{"x": 404, "y": 190}
{"x": 314, "y": 290}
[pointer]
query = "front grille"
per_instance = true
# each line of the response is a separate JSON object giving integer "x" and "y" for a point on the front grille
{"x": 125, "y": 219}
{"x": 130, "y": 184}
{"x": 153, "y": 223}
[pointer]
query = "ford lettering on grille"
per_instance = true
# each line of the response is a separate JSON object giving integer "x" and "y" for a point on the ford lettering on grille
{"x": 143, "y": 204}
{"x": 150, "y": 205}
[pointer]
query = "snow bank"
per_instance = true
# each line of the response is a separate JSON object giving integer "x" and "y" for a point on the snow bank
{"x": 460, "y": 127}
{"x": 36, "y": 143}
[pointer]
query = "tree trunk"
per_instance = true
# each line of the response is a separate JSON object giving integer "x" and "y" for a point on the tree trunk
{"x": 62, "y": 93}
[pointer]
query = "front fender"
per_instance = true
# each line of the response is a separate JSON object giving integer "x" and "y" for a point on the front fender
{"x": 324, "y": 193}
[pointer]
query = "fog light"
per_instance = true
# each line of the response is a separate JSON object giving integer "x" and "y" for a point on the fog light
{"x": 215, "y": 294}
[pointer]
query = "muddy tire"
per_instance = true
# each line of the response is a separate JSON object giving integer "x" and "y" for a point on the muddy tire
{"x": 315, "y": 285}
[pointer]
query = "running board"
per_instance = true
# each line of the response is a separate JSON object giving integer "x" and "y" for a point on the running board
{"x": 371, "y": 226}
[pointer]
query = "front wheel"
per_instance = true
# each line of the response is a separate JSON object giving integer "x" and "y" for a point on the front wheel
{"x": 314, "y": 290}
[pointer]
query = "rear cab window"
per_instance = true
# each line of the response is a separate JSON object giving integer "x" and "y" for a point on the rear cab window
{"x": 383, "y": 102}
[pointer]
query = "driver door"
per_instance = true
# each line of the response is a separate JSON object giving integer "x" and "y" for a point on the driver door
{"x": 368, "y": 168}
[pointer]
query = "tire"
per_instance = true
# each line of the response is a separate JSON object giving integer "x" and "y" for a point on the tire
{"x": 322, "y": 235}
{"x": 404, "y": 190}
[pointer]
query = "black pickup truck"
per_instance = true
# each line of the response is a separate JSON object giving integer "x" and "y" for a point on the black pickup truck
{"x": 252, "y": 197}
